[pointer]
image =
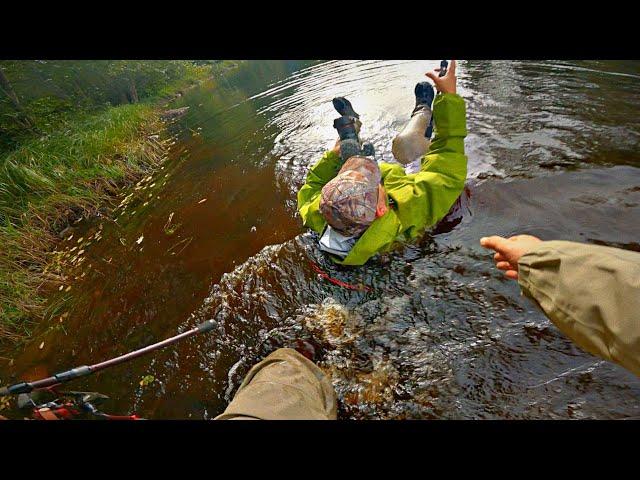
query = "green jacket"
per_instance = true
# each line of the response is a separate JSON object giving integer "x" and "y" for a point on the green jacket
{"x": 420, "y": 200}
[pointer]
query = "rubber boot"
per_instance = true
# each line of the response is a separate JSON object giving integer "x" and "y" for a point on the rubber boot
{"x": 348, "y": 127}
{"x": 410, "y": 145}
{"x": 345, "y": 109}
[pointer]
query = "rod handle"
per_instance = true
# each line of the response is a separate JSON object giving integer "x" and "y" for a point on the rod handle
{"x": 16, "y": 389}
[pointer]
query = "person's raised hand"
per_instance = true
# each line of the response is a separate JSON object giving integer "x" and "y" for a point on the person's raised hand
{"x": 447, "y": 83}
{"x": 509, "y": 250}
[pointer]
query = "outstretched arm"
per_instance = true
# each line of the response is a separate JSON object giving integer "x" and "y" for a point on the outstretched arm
{"x": 449, "y": 120}
{"x": 591, "y": 293}
{"x": 425, "y": 198}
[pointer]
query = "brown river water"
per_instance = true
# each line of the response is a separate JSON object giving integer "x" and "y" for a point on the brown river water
{"x": 553, "y": 151}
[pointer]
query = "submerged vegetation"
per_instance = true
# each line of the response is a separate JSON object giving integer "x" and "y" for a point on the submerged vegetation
{"x": 71, "y": 134}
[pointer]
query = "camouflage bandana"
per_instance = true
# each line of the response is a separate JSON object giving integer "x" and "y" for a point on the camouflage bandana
{"x": 348, "y": 202}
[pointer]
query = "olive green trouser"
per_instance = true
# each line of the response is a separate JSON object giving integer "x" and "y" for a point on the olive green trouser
{"x": 283, "y": 386}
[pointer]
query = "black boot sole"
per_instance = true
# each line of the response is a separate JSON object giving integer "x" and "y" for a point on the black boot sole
{"x": 344, "y": 107}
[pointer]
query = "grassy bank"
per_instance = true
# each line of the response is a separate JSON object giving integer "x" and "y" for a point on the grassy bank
{"x": 50, "y": 180}
{"x": 44, "y": 186}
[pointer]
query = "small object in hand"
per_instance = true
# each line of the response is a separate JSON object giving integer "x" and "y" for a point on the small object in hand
{"x": 443, "y": 68}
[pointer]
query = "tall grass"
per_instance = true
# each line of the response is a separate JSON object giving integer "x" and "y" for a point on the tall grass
{"x": 72, "y": 166}
{"x": 45, "y": 184}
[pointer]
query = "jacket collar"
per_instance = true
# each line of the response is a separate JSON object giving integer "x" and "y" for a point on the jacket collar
{"x": 381, "y": 233}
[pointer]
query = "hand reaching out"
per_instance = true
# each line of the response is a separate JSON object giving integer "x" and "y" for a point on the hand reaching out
{"x": 509, "y": 251}
{"x": 446, "y": 84}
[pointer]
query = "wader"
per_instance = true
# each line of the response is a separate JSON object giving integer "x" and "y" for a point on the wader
{"x": 410, "y": 145}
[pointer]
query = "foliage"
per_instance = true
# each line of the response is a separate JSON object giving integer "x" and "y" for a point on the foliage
{"x": 52, "y": 94}
{"x": 147, "y": 380}
{"x": 71, "y": 133}
{"x": 44, "y": 185}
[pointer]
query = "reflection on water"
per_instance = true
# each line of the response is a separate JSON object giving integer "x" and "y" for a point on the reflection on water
{"x": 552, "y": 151}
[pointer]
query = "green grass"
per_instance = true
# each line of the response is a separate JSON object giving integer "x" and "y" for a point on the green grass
{"x": 39, "y": 172}
{"x": 74, "y": 169}
{"x": 45, "y": 184}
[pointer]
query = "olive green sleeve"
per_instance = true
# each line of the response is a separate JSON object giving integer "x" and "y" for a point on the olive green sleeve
{"x": 591, "y": 293}
{"x": 309, "y": 195}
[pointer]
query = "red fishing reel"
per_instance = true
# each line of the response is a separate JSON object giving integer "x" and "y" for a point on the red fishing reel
{"x": 66, "y": 405}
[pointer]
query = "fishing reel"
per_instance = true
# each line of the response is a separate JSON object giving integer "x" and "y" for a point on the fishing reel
{"x": 350, "y": 143}
{"x": 51, "y": 405}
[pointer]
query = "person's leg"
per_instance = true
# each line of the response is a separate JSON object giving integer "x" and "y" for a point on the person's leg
{"x": 411, "y": 143}
{"x": 348, "y": 127}
{"x": 284, "y": 386}
{"x": 344, "y": 108}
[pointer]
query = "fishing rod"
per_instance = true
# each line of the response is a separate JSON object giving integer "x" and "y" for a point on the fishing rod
{"x": 86, "y": 370}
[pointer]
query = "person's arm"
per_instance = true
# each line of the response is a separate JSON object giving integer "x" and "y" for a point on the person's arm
{"x": 427, "y": 196}
{"x": 309, "y": 195}
{"x": 444, "y": 166}
{"x": 449, "y": 118}
{"x": 591, "y": 293}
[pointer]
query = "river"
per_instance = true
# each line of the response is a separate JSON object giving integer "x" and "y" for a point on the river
{"x": 553, "y": 151}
